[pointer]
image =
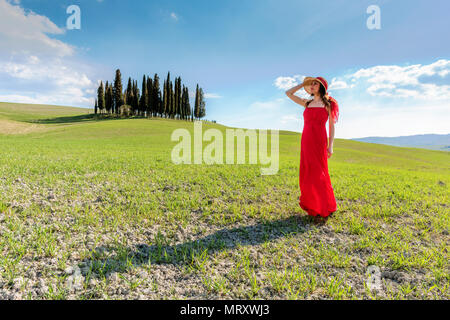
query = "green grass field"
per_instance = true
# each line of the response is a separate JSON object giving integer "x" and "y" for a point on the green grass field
{"x": 95, "y": 209}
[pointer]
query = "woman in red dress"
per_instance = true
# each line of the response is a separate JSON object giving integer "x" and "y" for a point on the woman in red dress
{"x": 316, "y": 192}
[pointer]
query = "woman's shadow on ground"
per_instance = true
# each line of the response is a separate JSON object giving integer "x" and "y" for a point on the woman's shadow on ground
{"x": 108, "y": 259}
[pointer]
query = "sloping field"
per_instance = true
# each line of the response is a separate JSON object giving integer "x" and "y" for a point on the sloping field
{"x": 95, "y": 208}
{"x": 17, "y": 118}
{"x": 33, "y": 112}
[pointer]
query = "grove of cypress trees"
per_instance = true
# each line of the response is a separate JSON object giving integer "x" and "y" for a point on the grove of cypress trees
{"x": 173, "y": 102}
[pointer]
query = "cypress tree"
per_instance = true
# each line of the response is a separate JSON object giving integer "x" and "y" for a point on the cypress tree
{"x": 182, "y": 103}
{"x": 175, "y": 97}
{"x": 106, "y": 106}
{"x": 96, "y": 106}
{"x": 202, "y": 109}
{"x": 171, "y": 104}
{"x": 144, "y": 99}
{"x": 107, "y": 102}
{"x": 157, "y": 99}
{"x": 129, "y": 93}
{"x": 188, "y": 103}
{"x": 101, "y": 96}
{"x": 149, "y": 106}
{"x": 196, "y": 104}
{"x": 178, "y": 94}
{"x": 186, "y": 108}
{"x": 131, "y": 97}
{"x": 109, "y": 98}
{"x": 167, "y": 96}
{"x": 136, "y": 97}
{"x": 118, "y": 95}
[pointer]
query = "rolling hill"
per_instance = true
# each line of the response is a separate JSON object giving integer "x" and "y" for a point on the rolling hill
{"x": 426, "y": 141}
{"x": 96, "y": 208}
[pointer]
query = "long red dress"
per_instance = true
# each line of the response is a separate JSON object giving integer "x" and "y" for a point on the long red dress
{"x": 317, "y": 195}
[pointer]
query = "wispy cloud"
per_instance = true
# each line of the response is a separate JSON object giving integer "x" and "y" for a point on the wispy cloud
{"x": 212, "y": 96}
{"x": 34, "y": 67}
{"x": 174, "y": 16}
{"x": 339, "y": 84}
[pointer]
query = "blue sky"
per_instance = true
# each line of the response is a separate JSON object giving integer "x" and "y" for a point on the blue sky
{"x": 244, "y": 54}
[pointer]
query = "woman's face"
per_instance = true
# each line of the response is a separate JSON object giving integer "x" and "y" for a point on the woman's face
{"x": 315, "y": 86}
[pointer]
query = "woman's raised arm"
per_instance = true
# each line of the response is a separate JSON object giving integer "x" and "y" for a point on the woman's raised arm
{"x": 293, "y": 97}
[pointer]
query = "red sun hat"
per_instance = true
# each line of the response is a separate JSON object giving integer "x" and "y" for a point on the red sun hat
{"x": 307, "y": 83}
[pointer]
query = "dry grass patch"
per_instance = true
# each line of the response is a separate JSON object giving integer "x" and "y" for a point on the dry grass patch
{"x": 15, "y": 127}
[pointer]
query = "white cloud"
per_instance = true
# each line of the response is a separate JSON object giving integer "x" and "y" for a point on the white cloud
{"x": 405, "y": 81}
{"x": 337, "y": 84}
{"x": 286, "y": 83}
{"x": 35, "y": 68}
{"x": 26, "y": 32}
{"x": 212, "y": 96}
{"x": 380, "y": 89}
{"x": 68, "y": 97}
{"x": 388, "y": 81}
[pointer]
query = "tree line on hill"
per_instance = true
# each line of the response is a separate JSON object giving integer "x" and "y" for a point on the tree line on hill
{"x": 148, "y": 101}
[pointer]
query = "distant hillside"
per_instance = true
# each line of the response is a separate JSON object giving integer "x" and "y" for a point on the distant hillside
{"x": 427, "y": 141}
{"x": 24, "y": 118}
{"x": 28, "y": 112}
